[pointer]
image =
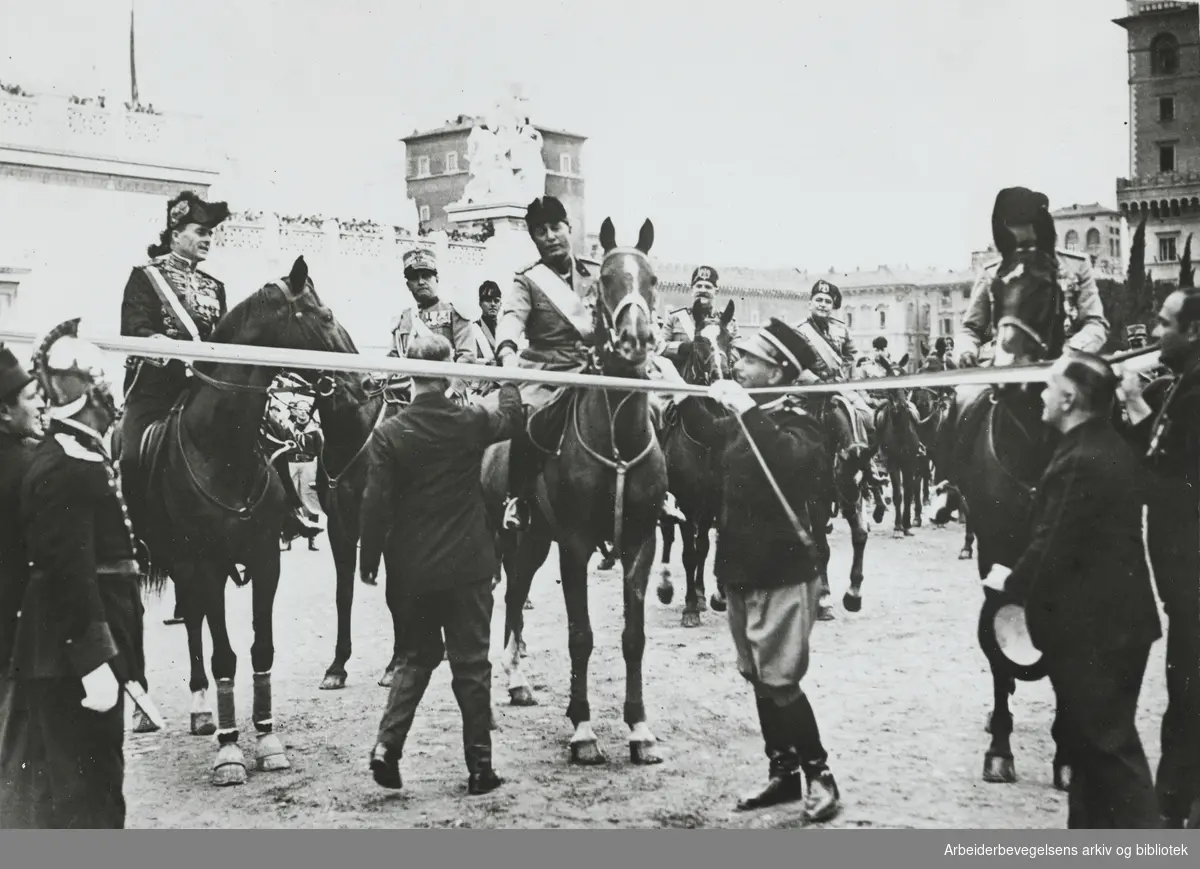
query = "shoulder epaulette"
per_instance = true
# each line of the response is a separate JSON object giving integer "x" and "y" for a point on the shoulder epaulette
{"x": 76, "y": 450}
{"x": 587, "y": 261}
{"x": 528, "y": 267}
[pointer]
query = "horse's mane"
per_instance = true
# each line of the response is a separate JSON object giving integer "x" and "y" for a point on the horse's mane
{"x": 253, "y": 307}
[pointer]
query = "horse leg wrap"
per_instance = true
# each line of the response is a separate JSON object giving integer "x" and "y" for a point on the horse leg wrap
{"x": 263, "y": 721}
{"x": 226, "y": 712}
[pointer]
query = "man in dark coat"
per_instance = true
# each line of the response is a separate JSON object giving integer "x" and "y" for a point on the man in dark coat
{"x": 767, "y": 568}
{"x": 78, "y": 637}
{"x": 1171, "y": 447}
{"x": 423, "y": 510}
{"x": 1089, "y": 603}
{"x": 20, "y": 411}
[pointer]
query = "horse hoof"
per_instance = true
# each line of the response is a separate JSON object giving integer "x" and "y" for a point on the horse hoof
{"x": 691, "y": 619}
{"x": 203, "y": 724}
{"x": 522, "y": 651}
{"x": 878, "y": 515}
{"x": 908, "y": 532}
{"x": 141, "y": 723}
{"x": 898, "y": 533}
{"x": 717, "y": 604}
{"x": 852, "y": 601}
{"x": 999, "y": 770}
{"x": 528, "y": 604}
{"x": 666, "y": 591}
{"x": 385, "y": 681}
{"x": 522, "y": 696}
{"x": 588, "y": 753}
{"x": 229, "y": 767}
{"x": 268, "y": 754}
{"x": 1062, "y": 777}
{"x": 643, "y": 753}
{"x": 333, "y": 682}
{"x": 608, "y": 564}
{"x": 965, "y": 554}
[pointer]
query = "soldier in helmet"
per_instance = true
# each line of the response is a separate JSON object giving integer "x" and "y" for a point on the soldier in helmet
{"x": 680, "y": 327}
{"x": 1135, "y": 336}
{"x": 78, "y": 636}
{"x": 1021, "y": 218}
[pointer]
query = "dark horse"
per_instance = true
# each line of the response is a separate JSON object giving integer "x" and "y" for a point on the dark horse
{"x": 348, "y": 415}
{"x": 606, "y": 481}
{"x": 214, "y": 501}
{"x": 902, "y": 450}
{"x": 693, "y": 475}
{"x": 993, "y": 448}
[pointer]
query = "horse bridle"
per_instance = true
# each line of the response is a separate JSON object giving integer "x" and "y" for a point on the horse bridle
{"x": 1016, "y": 322}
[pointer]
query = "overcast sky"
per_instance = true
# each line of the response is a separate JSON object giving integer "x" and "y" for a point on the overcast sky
{"x": 762, "y": 133}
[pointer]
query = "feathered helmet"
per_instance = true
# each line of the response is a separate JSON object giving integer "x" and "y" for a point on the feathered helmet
{"x": 71, "y": 372}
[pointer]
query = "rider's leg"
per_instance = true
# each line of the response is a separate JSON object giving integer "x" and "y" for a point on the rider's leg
{"x": 524, "y": 464}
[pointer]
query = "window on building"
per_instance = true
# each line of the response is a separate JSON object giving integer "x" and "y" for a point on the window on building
{"x": 1166, "y": 250}
{"x": 1164, "y": 55}
{"x": 8, "y": 296}
{"x": 451, "y": 162}
{"x": 1166, "y": 108}
{"x": 945, "y": 297}
{"x": 1093, "y": 240}
{"x": 422, "y": 166}
{"x": 1071, "y": 240}
{"x": 424, "y": 213}
{"x": 947, "y": 326}
{"x": 882, "y": 318}
{"x": 1114, "y": 248}
{"x": 564, "y": 164}
{"x": 849, "y": 315}
{"x": 1166, "y": 158}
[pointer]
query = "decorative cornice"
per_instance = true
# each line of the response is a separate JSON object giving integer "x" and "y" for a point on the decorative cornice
{"x": 98, "y": 180}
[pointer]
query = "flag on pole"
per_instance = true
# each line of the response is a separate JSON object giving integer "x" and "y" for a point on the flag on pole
{"x": 132, "y": 59}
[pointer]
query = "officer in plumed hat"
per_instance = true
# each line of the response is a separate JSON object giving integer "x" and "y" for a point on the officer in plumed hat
{"x": 1021, "y": 220}
{"x": 78, "y": 636}
{"x": 766, "y": 567}
{"x": 681, "y": 327}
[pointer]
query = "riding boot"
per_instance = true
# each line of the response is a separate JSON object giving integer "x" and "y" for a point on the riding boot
{"x": 823, "y": 797}
{"x": 784, "y": 782}
{"x": 523, "y": 470}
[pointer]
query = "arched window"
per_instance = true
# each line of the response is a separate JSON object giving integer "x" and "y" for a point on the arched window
{"x": 1164, "y": 55}
{"x": 1093, "y": 240}
{"x": 1072, "y": 240}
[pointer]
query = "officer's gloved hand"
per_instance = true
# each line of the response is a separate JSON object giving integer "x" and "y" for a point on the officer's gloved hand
{"x": 100, "y": 689}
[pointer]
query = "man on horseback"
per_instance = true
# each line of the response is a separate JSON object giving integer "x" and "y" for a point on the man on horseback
{"x": 830, "y": 340}
{"x": 484, "y": 330}
{"x": 551, "y": 306}
{"x": 681, "y": 326}
{"x": 432, "y": 316}
{"x": 78, "y": 632}
{"x": 171, "y": 298}
{"x": 765, "y": 561}
{"x": 1020, "y": 220}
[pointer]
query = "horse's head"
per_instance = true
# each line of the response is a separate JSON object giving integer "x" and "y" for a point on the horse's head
{"x": 1028, "y": 308}
{"x": 627, "y": 296}
{"x": 712, "y": 350}
{"x": 286, "y": 314}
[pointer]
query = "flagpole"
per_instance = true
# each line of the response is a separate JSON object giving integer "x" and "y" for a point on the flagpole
{"x": 132, "y": 57}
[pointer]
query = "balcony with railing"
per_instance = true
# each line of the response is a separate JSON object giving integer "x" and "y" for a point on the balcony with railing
{"x": 55, "y": 125}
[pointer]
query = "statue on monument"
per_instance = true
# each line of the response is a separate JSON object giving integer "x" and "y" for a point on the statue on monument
{"x": 504, "y": 155}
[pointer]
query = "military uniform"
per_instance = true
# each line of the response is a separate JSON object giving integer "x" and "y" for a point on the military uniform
{"x": 81, "y": 610}
{"x": 768, "y": 573}
{"x": 1087, "y": 326}
{"x": 440, "y": 318}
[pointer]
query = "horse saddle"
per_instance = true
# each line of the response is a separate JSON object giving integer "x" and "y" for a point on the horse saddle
{"x": 547, "y": 425}
{"x": 860, "y": 417}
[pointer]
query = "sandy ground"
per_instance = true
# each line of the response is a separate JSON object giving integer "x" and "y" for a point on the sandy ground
{"x": 901, "y": 693}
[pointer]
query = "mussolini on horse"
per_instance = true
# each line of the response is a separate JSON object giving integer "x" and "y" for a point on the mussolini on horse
{"x": 603, "y": 476}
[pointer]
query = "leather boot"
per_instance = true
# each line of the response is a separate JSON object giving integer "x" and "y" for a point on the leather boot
{"x": 824, "y": 800}
{"x": 784, "y": 783}
{"x": 481, "y": 778}
{"x": 385, "y": 767}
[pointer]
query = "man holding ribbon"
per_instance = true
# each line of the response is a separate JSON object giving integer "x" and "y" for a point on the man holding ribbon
{"x": 765, "y": 556}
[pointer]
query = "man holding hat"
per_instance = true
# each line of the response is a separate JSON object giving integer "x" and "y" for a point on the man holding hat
{"x": 551, "y": 307}
{"x": 1089, "y": 603}
{"x": 1021, "y": 219}
{"x": 764, "y": 556}
{"x": 20, "y": 421}
{"x": 680, "y": 326}
{"x": 78, "y": 636}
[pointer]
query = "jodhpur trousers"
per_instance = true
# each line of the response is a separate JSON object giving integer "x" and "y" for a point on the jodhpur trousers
{"x": 463, "y": 616}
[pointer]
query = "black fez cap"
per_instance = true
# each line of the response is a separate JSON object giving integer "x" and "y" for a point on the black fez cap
{"x": 489, "y": 290}
{"x": 543, "y": 210}
{"x": 831, "y": 290}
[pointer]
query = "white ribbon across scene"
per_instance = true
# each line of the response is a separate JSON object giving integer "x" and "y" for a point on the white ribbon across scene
{"x": 1145, "y": 359}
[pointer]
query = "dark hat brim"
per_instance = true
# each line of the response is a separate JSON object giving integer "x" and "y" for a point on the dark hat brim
{"x": 207, "y": 214}
{"x": 545, "y": 209}
{"x": 13, "y": 378}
